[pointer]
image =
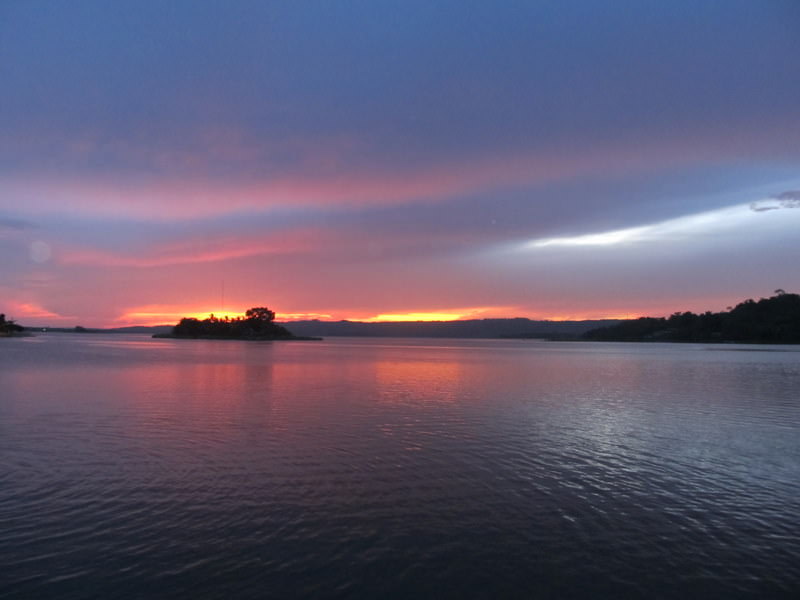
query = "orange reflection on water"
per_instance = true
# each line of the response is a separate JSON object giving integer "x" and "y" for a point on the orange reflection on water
{"x": 404, "y": 381}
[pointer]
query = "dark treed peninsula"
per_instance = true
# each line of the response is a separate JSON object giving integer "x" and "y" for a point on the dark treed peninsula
{"x": 9, "y": 327}
{"x": 257, "y": 324}
{"x": 774, "y": 320}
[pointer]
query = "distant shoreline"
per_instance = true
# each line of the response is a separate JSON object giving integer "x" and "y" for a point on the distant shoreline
{"x": 465, "y": 329}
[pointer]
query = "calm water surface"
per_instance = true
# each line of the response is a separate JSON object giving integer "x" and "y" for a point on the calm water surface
{"x": 140, "y": 468}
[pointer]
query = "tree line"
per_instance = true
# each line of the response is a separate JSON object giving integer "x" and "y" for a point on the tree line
{"x": 773, "y": 320}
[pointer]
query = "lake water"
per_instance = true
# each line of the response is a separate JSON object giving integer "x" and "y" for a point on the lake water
{"x": 141, "y": 468}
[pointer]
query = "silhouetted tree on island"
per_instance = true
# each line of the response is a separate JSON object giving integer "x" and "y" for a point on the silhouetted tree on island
{"x": 774, "y": 320}
{"x": 261, "y": 319}
{"x": 257, "y": 323}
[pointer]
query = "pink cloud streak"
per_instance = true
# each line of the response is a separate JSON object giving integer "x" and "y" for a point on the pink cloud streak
{"x": 224, "y": 247}
{"x": 195, "y": 250}
{"x": 30, "y": 310}
{"x": 335, "y": 185}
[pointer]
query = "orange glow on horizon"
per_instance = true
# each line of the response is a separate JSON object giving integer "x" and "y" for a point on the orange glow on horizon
{"x": 170, "y": 314}
{"x": 447, "y": 314}
{"x": 506, "y": 314}
{"x": 419, "y": 316}
{"x": 284, "y": 317}
{"x": 588, "y": 317}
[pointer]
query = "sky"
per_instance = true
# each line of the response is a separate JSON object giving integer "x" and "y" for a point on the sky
{"x": 374, "y": 160}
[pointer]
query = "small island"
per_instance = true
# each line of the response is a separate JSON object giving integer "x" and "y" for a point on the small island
{"x": 9, "y": 328}
{"x": 257, "y": 324}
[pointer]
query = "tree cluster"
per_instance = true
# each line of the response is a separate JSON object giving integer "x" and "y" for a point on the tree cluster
{"x": 774, "y": 320}
{"x": 257, "y": 323}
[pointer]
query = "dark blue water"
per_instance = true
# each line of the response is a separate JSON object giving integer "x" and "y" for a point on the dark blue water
{"x": 139, "y": 468}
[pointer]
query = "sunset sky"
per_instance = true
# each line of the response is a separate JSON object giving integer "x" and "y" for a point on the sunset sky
{"x": 370, "y": 160}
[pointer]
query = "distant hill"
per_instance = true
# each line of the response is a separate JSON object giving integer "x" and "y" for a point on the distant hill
{"x": 774, "y": 320}
{"x": 475, "y": 328}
